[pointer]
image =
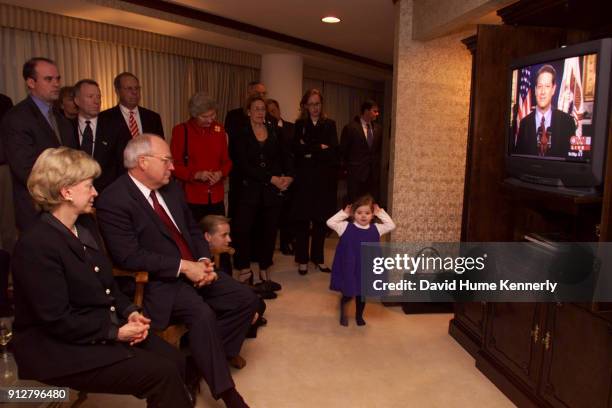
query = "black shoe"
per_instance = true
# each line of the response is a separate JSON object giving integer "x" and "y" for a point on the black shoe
{"x": 265, "y": 294}
{"x": 323, "y": 268}
{"x": 303, "y": 271}
{"x": 269, "y": 285}
{"x": 252, "y": 332}
{"x": 287, "y": 249}
{"x": 192, "y": 380}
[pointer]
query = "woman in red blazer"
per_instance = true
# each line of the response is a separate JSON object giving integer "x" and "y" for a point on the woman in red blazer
{"x": 201, "y": 159}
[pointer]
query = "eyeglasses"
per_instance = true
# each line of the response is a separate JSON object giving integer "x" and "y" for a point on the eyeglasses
{"x": 131, "y": 88}
{"x": 164, "y": 159}
{"x": 313, "y": 105}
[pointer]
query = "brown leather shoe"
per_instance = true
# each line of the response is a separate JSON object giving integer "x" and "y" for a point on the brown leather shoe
{"x": 237, "y": 362}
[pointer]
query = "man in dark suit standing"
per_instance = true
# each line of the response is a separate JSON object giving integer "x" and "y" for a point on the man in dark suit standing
{"x": 235, "y": 120}
{"x": 360, "y": 149}
{"x": 147, "y": 225}
{"x": 94, "y": 138}
{"x": 31, "y": 127}
{"x": 128, "y": 119}
{"x": 546, "y": 131}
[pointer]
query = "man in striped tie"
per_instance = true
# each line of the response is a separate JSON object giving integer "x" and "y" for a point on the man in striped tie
{"x": 128, "y": 119}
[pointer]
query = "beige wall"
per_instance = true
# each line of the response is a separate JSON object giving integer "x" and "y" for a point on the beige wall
{"x": 429, "y": 132}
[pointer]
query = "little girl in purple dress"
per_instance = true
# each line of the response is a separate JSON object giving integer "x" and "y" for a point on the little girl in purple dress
{"x": 354, "y": 224}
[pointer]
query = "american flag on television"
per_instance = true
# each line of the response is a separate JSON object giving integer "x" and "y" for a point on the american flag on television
{"x": 524, "y": 99}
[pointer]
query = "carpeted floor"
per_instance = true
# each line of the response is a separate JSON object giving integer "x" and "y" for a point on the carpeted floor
{"x": 304, "y": 358}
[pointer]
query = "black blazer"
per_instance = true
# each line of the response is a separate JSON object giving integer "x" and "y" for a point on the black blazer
{"x": 5, "y": 105}
{"x": 360, "y": 160}
{"x": 316, "y": 178}
{"x": 138, "y": 240}
{"x": 67, "y": 305}
{"x": 257, "y": 162}
{"x": 26, "y": 134}
{"x": 562, "y": 127}
{"x": 108, "y": 152}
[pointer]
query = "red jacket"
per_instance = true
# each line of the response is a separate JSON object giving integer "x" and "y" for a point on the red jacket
{"x": 207, "y": 150}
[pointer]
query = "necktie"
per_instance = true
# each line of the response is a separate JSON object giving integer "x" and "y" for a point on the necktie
{"x": 544, "y": 138}
{"x": 133, "y": 125}
{"x": 178, "y": 238}
{"x": 370, "y": 135}
{"x": 87, "y": 142}
{"x": 53, "y": 124}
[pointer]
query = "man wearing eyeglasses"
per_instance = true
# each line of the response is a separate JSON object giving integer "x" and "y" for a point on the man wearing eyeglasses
{"x": 128, "y": 119}
{"x": 147, "y": 225}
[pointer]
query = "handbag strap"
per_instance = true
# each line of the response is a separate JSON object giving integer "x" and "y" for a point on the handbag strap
{"x": 185, "y": 147}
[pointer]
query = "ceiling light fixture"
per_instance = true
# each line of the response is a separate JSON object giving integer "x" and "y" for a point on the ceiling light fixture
{"x": 330, "y": 20}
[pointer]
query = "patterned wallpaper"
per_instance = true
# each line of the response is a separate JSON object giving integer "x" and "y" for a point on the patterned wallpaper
{"x": 430, "y": 122}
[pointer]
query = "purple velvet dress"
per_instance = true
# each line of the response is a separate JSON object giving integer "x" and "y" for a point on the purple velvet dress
{"x": 346, "y": 269}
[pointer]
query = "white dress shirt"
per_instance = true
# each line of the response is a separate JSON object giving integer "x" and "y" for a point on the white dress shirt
{"x": 93, "y": 123}
{"x": 364, "y": 126}
{"x": 126, "y": 115}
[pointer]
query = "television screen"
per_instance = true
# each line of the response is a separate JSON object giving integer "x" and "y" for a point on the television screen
{"x": 552, "y": 107}
{"x": 557, "y": 118}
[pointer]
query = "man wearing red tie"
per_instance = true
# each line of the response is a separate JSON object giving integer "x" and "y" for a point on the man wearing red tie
{"x": 128, "y": 119}
{"x": 546, "y": 131}
{"x": 147, "y": 225}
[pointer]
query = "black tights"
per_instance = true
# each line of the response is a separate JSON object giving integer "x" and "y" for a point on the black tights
{"x": 359, "y": 307}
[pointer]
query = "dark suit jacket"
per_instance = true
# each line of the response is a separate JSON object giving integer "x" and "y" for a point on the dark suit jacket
{"x": 137, "y": 239}
{"x": 256, "y": 164}
{"x": 113, "y": 120}
{"x": 235, "y": 121}
{"x": 562, "y": 127}
{"x": 108, "y": 153}
{"x": 64, "y": 323}
{"x": 5, "y": 105}
{"x": 360, "y": 160}
{"x": 26, "y": 134}
{"x": 316, "y": 178}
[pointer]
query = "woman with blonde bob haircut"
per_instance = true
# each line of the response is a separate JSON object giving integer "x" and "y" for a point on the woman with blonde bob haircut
{"x": 73, "y": 327}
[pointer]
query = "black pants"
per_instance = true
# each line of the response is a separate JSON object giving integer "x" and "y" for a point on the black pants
{"x": 156, "y": 372}
{"x": 247, "y": 218}
{"x": 356, "y": 188}
{"x": 200, "y": 211}
{"x": 218, "y": 317}
{"x": 303, "y": 233}
{"x": 285, "y": 223}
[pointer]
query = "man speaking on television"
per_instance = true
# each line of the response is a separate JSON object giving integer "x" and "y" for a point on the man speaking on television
{"x": 546, "y": 131}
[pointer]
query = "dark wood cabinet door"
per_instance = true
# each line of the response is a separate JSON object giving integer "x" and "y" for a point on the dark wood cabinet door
{"x": 513, "y": 338}
{"x": 577, "y": 369}
{"x": 472, "y": 315}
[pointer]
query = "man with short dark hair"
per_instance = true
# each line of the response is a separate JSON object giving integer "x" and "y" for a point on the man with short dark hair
{"x": 360, "y": 149}
{"x": 546, "y": 131}
{"x": 31, "y": 127}
{"x": 94, "y": 136}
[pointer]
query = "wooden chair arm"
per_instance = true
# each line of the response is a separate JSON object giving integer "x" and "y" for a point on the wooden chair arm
{"x": 140, "y": 278}
{"x": 216, "y": 253}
